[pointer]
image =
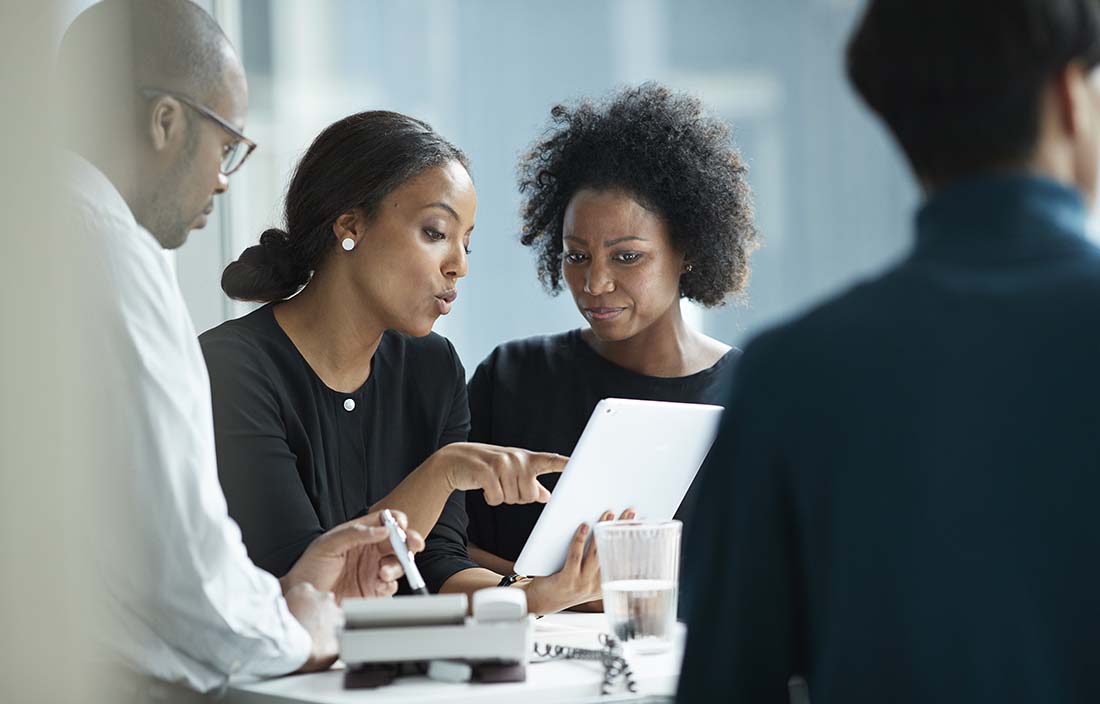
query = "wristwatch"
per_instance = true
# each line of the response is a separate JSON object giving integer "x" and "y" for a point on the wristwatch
{"x": 513, "y": 579}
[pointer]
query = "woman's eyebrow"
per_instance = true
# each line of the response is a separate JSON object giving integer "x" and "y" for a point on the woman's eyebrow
{"x": 443, "y": 206}
{"x": 609, "y": 243}
{"x": 625, "y": 239}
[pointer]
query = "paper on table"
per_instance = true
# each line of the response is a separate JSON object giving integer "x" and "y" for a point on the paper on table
{"x": 570, "y": 630}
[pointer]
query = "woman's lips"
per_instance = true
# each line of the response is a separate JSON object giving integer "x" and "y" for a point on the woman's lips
{"x": 603, "y": 313}
{"x": 444, "y": 301}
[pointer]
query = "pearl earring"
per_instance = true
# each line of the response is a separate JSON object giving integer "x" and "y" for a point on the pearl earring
{"x": 348, "y": 244}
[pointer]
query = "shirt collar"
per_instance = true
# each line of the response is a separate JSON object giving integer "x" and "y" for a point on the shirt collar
{"x": 91, "y": 187}
{"x": 1001, "y": 208}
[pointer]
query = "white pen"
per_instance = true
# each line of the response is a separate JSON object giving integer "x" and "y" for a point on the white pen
{"x": 404, "y": 555}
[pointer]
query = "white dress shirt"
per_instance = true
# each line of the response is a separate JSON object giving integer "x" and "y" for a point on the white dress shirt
{"x": 185, "y": 602}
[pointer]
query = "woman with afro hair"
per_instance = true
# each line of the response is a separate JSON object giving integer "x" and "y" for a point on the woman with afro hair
{"x": 633, "y": 203}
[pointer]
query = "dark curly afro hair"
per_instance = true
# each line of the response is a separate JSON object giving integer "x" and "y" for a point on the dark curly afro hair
{"x": 661, "y": 148}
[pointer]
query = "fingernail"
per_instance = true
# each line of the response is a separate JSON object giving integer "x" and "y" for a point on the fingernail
{"x": 584, "y": 529}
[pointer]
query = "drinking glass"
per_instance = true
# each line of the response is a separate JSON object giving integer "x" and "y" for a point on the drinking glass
{"x": 640, "y": 572}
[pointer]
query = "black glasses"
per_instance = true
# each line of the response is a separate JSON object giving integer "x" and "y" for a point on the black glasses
{"x": 234, "y": 154}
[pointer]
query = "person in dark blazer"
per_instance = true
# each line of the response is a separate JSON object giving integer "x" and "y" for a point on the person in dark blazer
{"x": 901, "y": 504}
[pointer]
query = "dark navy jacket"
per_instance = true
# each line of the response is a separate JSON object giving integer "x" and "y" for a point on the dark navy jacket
{"x": 901, "y": 505}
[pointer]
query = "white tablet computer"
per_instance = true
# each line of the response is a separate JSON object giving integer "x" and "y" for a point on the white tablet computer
{"x": 632, "y": 454}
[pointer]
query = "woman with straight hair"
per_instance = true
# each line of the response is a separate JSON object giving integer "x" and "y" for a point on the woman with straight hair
{"x": 334, "y": 398}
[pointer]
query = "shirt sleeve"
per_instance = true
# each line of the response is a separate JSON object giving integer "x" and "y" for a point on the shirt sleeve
{"x": 740, "y": 598}
{"x": 257, "y": 468}
{"x": 480, "y": 390}
{"x": 445, "y": 547}
{"x": 190, "y": 605}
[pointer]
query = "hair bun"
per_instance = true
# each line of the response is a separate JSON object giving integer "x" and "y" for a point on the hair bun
{"x": 275, "y": 240}
{"x": 266, "y": 271}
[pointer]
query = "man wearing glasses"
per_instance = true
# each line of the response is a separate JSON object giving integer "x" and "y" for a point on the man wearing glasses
{"x": 232, "y": 145}
{"x": 153, "y": 99}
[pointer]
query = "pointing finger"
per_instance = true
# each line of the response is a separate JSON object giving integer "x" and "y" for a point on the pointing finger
{"x": 548, "y": 462}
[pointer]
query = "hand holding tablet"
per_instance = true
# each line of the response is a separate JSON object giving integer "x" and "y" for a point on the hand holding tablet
{"x": 632, "y": 454}
{"x": 578, "y": 581}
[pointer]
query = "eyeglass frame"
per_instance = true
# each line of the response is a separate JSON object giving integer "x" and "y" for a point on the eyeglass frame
{"x": 149, "y": 93}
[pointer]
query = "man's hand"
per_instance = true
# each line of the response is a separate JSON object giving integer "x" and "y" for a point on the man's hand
{"x": 322, "y": 618}
{"x": 507, "y": 475}
{"x": 354, "y": 559}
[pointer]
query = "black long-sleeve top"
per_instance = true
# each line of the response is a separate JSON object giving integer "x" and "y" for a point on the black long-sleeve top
{"x": 296, "y": 458}
{"x": 537, "y": 394}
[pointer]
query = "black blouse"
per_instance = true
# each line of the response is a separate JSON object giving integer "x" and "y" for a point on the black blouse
{"x": 296, "y": 458}
{"x": 538, "y": 394}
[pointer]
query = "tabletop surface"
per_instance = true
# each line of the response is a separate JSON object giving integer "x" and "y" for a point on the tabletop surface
{"x": 547, "y": 681}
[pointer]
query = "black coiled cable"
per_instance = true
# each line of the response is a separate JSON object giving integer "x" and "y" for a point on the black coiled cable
{"x": 610, "y": 655}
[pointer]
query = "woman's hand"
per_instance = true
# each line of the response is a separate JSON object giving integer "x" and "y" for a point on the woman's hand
{"x": 578, "y": 582}
{"x": 354, "y": 559}
{"x": 507, "y": 475}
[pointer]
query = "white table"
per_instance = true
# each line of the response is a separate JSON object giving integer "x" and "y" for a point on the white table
{"x": 552, "y": 681}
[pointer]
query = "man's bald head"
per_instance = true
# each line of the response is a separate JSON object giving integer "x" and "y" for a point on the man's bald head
{"x": 168, "y": 44}
{"x": 136, "y": 83}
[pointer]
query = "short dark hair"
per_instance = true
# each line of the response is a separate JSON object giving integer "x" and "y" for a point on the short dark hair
{"x": 659, "y": 147}
{"x": 353, "y": 164}
{"x": 958, "y": 82}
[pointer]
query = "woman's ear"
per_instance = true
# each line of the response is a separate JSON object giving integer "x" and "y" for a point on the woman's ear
{"x": 347, "y": 227}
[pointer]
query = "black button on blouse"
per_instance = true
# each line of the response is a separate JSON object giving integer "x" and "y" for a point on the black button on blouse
{"x": 296, "y": 458}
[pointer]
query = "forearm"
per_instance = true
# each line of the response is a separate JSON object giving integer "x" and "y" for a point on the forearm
{"x": 421, "y": 495}
{"x": 490, "y": 561}
{"x": 542, "y": 596}
{"x": 589, "y": 607}
{"x": 471, "y": 580}
{"x": 220, "y": 610}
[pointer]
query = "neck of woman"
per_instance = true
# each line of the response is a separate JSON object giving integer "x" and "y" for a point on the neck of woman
{"x": 337, "y": 340}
